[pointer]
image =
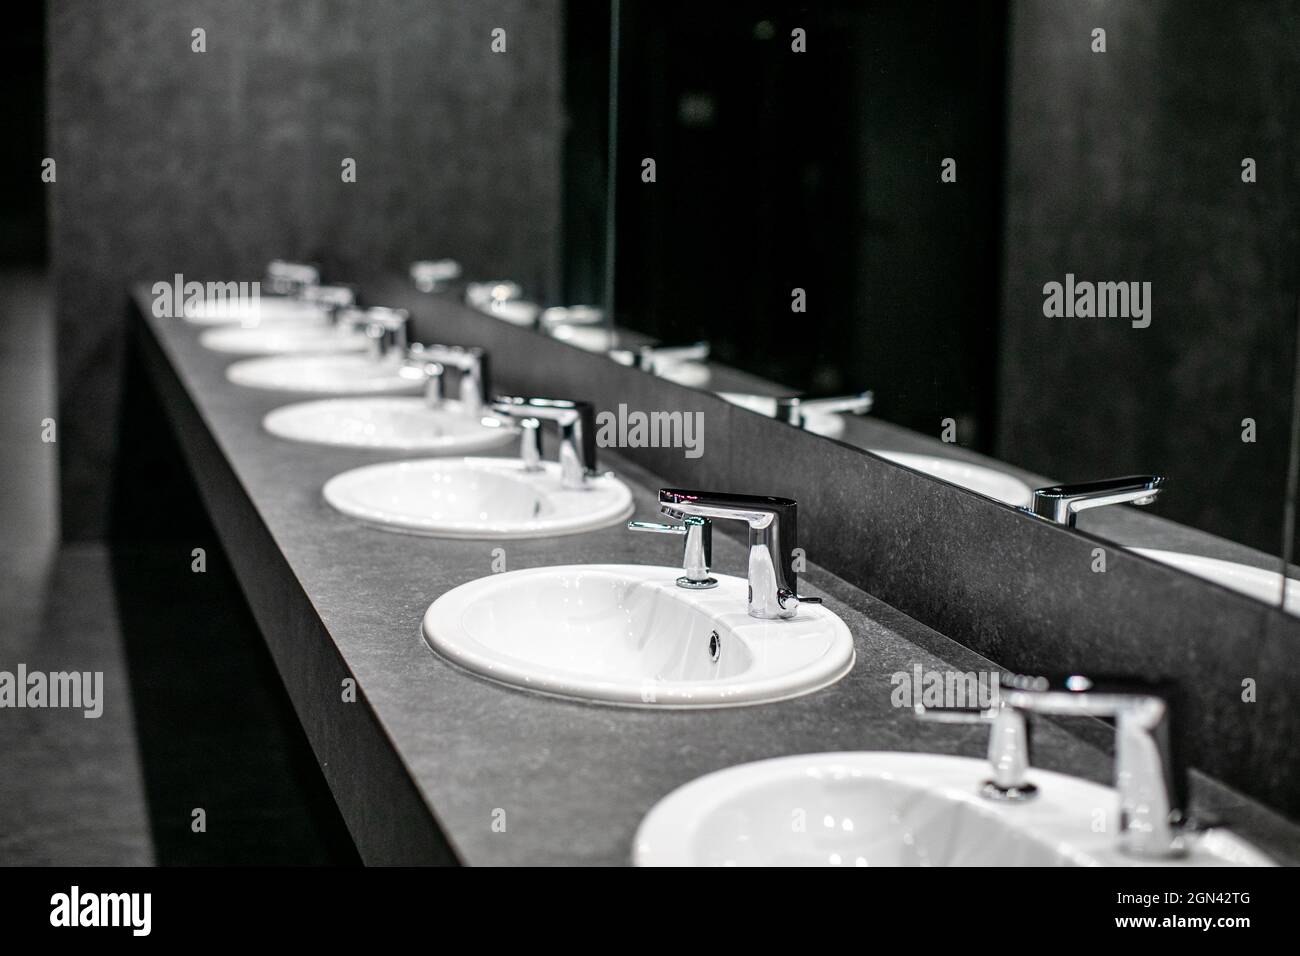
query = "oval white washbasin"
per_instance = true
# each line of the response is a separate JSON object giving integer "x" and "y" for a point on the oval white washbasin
{"x": 826, "y": 424}
{"x": 1259, "y": 583}
{"x": 894, "y": 809}
{"x": 337, "y": 374}
{"x": 627, "y": 634}
{"x": 476, "y": 498}
{"x": 400, "y": 422}
{"x": 986, "y": 481}
{"x": 252, "y": 312}
{"x": 284, "y": 338}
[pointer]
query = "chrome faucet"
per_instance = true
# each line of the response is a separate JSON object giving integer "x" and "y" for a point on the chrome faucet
{"x": 475, "y": 388}
{"x": 653, "y": 358}
{"x": 432, "y": 372}
{"x": 290, "y": 278}
{"x": 1008, "y": 746}
{"x": 430, "y": 275}
{"x": 1062, "y": 503}
{"x": 773, "y": 537}
{"x": 577, "y": 424}
{"x": 1151, "y": 821}
{"x": 330, "y": 298}
{"x": 698, "y": 553}
{"x": 792, "y": 408}
{"x": 482, "y": 295}
{"x": 384, "y": 327}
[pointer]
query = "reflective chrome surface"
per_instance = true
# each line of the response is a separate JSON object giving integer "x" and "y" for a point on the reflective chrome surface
{"x": 773, "y": 539}
{"x": 576, "y": 422}
{"x": 1062, "y": 503}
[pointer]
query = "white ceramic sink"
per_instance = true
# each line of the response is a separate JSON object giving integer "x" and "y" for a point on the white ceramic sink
{"x": 626, "y": 634}
{"x": 987, "y": 481}
{"x": 282, "y": 338}
{"x": 1259, "y": 583}
{"x": 827, "y": 424}
{"x": 398, "y": 422}
{"x": 264, "y": 310}
{"x": 326, "y": 374}
{"x": 476, "y": 498}
{"x": 894, "y": 809}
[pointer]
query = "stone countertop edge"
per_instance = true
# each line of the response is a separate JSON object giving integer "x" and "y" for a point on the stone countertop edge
{"x": 435, "y": 765}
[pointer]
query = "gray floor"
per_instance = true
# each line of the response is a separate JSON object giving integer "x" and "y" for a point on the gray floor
{"x": 194, "y": 716}
{"x": 71, "y": 788}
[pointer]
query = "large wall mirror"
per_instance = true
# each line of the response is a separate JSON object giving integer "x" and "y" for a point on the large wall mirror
{"x": 1009, "y": 245}
{"x": 1025, "y": 243}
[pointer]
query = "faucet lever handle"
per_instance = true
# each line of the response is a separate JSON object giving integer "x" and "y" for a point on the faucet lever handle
{"x": 1008, "y": 751}
{"x": 953, "y": 715}
{"x": 698, "y": 551}
{"x": 655, "y": 528}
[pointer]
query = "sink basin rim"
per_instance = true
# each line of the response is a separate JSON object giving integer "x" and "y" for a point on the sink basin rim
{"x": 246, "y": 373}
{"x": 233, "y": 339}
{"x": 278, "y": 422}
{"x": 618, "y": 508}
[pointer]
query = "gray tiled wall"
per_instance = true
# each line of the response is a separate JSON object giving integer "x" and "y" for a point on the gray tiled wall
{"x": 211, "y": 163}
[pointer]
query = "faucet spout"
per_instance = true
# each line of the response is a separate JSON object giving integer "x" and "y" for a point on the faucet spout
{"x": 1062, "y": 503}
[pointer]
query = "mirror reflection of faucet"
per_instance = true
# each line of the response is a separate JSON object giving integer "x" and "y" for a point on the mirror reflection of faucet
{"x": 432, "y": 275}
{"x": 1062, "y": 503}
{"x": 821, "y": 416}
{"x": 682, "y": 364}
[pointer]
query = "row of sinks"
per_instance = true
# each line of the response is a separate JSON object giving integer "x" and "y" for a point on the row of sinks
{"x": 632, "y": 635}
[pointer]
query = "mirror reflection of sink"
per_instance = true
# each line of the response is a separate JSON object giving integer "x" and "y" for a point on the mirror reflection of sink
{"x": 826, "y": 424}
{"x": 1259, "y": 583}
{"x": 400, "y": 422}
{"x": 688, "y": 372}
{"x": 284, "y": 338}
{"x": 515, "y": 311}
{"x": 895, "y": 809}
{"x": 337, "y": 374}
{"x": 591, "y": 338}
{"x": 476, "y": 498}
{"x": 261, "y": 311}
{"x": 986, "y": 481}
{"x": 627, "y": 634}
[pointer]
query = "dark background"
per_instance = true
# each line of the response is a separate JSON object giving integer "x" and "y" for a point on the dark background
{"x": 821, "y": 171}
{"x": 22, "y": 104}
{"x": 779, "y": 170}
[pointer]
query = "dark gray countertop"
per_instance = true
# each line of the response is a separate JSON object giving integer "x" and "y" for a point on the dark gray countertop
{"x": 573, "y": 780}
